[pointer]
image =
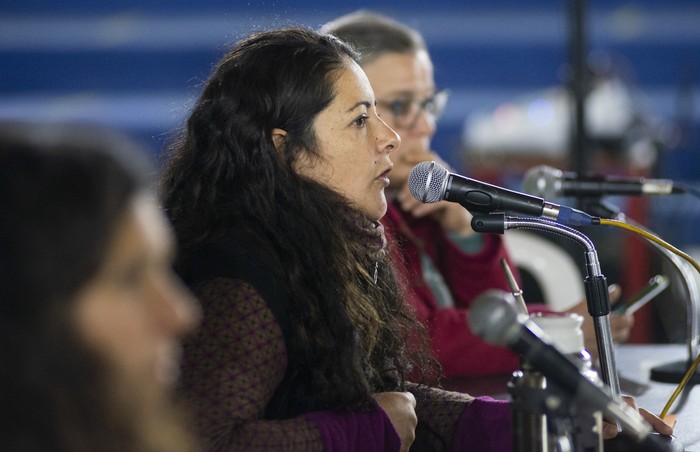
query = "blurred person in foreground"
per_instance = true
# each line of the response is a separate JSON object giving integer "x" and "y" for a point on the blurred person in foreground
{"x": 91, "y": 313}
{"x": 445, "y": 263}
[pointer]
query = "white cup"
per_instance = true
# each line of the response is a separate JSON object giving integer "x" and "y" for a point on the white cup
{"x": 564, "y": 330}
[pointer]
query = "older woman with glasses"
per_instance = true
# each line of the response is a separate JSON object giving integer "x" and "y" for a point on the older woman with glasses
{"x": 446, "y": 264}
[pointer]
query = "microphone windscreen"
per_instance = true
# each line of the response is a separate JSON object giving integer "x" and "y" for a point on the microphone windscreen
{"x": 543, "y": 181}
{"x": 493, "y": 315}
{"x": 426, "y": 181}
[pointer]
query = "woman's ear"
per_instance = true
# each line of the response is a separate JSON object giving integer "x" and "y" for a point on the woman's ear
{"x": 279, "y": 138}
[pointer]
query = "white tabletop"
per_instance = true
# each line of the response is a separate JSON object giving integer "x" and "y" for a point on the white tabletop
{"x": 634, "y": 363}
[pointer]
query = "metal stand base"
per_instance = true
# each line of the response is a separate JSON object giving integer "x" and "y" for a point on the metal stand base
{"x": 674, "y": 372}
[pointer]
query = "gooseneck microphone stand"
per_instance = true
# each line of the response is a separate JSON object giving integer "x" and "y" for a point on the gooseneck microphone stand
{"x": 595, "y": 284}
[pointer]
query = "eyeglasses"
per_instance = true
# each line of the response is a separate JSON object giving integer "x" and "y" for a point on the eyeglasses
{"x": 407, "y": 110}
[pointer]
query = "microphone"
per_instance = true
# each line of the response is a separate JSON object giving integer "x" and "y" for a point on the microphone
{"x": 494, "y": 318}
{"x": 552, "y": 183}
{"x": 430, "y": 182}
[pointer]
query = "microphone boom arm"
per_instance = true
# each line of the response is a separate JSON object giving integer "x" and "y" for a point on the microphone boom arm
{"x": 596, "y": 286}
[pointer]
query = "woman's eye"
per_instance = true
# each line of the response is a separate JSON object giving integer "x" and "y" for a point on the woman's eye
{"x": 360, "y": 122}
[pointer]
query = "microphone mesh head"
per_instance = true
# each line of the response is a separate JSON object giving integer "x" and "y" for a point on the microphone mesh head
{"x": 543, "y": 181}
{"x": 426, "y": 182}
{"x": 492, "y": 316}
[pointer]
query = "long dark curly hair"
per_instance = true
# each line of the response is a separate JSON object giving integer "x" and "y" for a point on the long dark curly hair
{"x": 224, "y": 174}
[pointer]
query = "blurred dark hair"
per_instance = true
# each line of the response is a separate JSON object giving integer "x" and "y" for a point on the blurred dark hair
{"x": 63, "y": 191}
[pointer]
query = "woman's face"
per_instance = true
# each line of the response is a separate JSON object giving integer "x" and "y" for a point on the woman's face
{"x": 405, "y": 77}
{"x": 354, "y": 144}
{"x": 135, "y": 310}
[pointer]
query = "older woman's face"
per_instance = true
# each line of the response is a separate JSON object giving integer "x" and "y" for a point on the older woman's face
{"x": 135, "y": 310}
{"x": 354, "y": 143}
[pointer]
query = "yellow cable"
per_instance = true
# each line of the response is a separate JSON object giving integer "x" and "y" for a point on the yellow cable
{"x": 680, "y": 387}
{"x": 652, "y": 237}
{"x": 655, "y": 239}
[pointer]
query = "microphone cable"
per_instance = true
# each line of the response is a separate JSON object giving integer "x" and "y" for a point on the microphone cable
{"x": 691, "y": 370}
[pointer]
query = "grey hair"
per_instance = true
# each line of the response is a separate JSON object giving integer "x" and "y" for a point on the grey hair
{"x": 374, "y": 34}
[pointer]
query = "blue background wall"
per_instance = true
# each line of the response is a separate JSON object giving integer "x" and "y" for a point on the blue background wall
{"x": 136, "y": 65}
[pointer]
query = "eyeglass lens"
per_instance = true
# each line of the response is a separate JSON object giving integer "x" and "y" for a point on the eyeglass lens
{"x": 406, "y": 111}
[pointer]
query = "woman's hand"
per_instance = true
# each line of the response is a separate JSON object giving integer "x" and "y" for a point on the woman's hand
{"x": 401, "y": 409}
{"x": 658, "y": 424}
{"x": 620, "y": 324}
{"x": 451, "y": 216}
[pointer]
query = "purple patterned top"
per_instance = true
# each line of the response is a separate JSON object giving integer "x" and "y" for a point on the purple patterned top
{"x": 234, "y": 363}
